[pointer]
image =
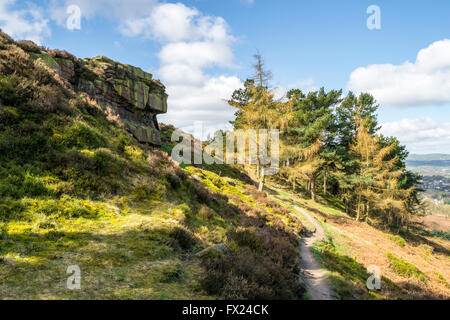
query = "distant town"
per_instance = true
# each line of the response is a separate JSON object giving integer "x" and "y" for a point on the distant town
{"x": 436, "y": 183}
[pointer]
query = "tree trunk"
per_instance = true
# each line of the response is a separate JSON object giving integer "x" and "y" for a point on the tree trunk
{"x": 313, "y": 189}
{"x": 261, "y": 181}
{"x": 325, "y": 177}
{"x": 367, "y": 213}
{"x": 358, "y": 215}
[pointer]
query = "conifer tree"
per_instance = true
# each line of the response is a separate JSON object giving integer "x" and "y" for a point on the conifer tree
{"x": 376, "y": 178}
{"x": 309, "y": 134}
{"x": 257, "y": 109}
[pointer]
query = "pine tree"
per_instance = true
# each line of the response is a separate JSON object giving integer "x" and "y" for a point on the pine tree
{"x": 376, "y": 178}
{"x": 257, "y": 109}
{"x": 309, "y": 134}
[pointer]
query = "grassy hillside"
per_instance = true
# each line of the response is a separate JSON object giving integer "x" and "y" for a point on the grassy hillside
{"x": 77, "y": 189}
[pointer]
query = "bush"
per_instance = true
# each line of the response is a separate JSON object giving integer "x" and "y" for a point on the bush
{"x": 32, "y": 186}
{"x": 172, "y": 272}
{"x": 246, "y": 238}
{"x": 399, "y": 240}
{"x": 405, "y": 268}
{"x": 9, "y": 116}
{"x": 82, "y": 136}
{"x": 174, "y": 180}
{"x": 107, "y": 163}
{"x": 13, "y": 90}
{"x": 183, "y": 238}
{"x": 250, "y": 276}
{"x": 206, "y": 213}
{"x": 30, "y": 46}
{"x": 202, "y": 194}
{"x": 436, "y": 233}
{"x": 149, "y": 190}
{"x": 49, "y": 98}
{"x": 10, "y": 209}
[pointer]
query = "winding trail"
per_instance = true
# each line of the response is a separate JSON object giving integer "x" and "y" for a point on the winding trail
{"x": 314, "y": 277}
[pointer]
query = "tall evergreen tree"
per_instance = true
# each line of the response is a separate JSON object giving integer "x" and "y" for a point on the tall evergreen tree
{"x": 257, "y": 109}
{"x": 309, "y": 134}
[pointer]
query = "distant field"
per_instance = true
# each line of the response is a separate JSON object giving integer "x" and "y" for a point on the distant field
{"x": 431, "y": 171}
{"x": 430, "y": 164}
{"x": 428, "y": 157}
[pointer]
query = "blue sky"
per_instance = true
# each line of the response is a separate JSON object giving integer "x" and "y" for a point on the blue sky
{"x": 202, "y": 49}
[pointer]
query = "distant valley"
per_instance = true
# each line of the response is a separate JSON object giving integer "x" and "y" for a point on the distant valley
{"x": 430, "y": 164}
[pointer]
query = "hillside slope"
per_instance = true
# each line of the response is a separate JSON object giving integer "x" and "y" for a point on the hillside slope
{"x": 77, "y": 188}
{"x": 412, "y": 266}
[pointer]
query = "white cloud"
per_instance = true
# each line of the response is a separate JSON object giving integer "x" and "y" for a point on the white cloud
{"x": 422, "y": 83}
{"x": 306, "y": 85}
{"x": 205, "y": 102}
{"x": 23, "y": 24}
{"x": 191, "y": 43}
{"x": 423, "y": 135}
{"x": 197, "y": 54}
{"x": 115, "y": 9}
{"x": 167, "y": 22}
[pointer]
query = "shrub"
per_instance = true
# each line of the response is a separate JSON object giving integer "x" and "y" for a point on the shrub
{"x": 427, "y": 249}
{"x": 250, "y": 276}
{"x": 148, "y": 190}
{"x": 3, "y": 232}
{"x": 174, "y": 180}
{"x": 82, "y": 136}
{"x": 183, "y": 238}
{"x": 436, "y": 233}
{"x": 30, "y": 46}
{"x": 10, "y": 209}
{"x": 49, "y": 98}
{"x": 32, "y": 186}
{"x": 268, "y": 202}
{"x": 202, "y": 194}
{"x": 399, "y": 240}
{"x": 107, "y": 163}
{"x": 405, "y": 268}
{"x": 206, "y": 213}
{"x": 172, "y": 272}
{"x": 246, "y": 238}
{"x": 14, "y": 91}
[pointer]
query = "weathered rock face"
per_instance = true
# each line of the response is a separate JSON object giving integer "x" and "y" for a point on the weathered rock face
{"x": 123, "y": 90}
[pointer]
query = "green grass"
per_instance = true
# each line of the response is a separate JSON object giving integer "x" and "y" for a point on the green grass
{"x": 404, "y": 268}
{"x": 442, "y": 279}
{"x": 398, "y": 240}
{"x": 347, "y": 276}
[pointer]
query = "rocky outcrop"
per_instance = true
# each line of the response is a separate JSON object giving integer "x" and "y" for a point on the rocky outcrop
{"x": 123, "y": 90}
